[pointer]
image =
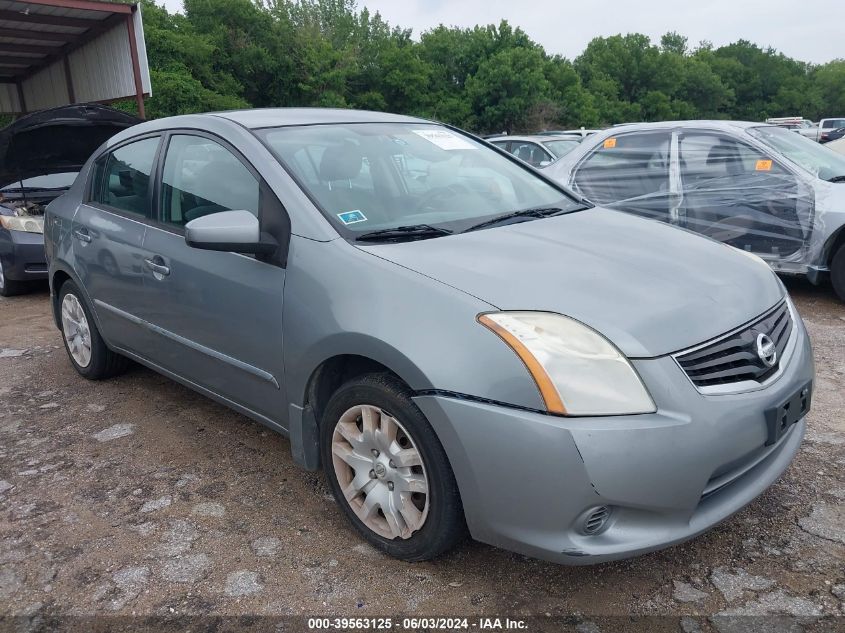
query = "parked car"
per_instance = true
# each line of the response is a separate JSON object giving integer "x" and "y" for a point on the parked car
{"x": 538, "y": 150}
{"x": 757, "y": 187}
{"x": 456, "y": 339}
{"x": 835, "y": 134}
{"x": 582, "y": 132}
{"x": 40, "y": 155}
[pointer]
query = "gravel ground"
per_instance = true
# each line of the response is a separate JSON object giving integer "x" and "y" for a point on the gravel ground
{"x": 137, "y": 497}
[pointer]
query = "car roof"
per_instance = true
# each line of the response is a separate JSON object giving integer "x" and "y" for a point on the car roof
{"x": 532, "y": 137}
{"x": 713, "y": 124}
{"x": 271, "y": 117}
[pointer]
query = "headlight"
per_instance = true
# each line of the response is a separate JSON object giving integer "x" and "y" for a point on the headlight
{"x": 26, "y": 223}
{"x": 577, "y": 370}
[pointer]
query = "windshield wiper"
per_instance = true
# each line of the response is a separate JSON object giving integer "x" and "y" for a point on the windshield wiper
{"x": 539, "y": 212}
{"x": 398, "y": 233}
{"x": 836, "y": 179}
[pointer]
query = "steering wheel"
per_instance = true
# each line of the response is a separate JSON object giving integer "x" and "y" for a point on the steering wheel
{"x": 428, "y": 200}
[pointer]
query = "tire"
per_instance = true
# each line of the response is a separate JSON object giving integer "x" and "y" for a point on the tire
{"x": 86, "y": 349}
{"x": 837, "y": 272}
{"x": 10, "y": 287}
{"x": 428, "y": 524}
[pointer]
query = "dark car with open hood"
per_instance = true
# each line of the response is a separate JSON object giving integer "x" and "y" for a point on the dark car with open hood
{"x": 40, "y": 155}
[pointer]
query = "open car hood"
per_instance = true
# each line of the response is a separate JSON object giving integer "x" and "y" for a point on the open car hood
{"x": 56, "y": 140}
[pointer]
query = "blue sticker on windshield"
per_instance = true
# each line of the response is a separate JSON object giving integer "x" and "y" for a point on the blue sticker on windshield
{"x": 351, "y": 217}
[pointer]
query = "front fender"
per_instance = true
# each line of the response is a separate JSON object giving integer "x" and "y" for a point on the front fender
{"x": 341, "y": 300}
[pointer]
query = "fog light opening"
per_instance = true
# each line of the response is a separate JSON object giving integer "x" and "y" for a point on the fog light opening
{"x": 595, "y": 520}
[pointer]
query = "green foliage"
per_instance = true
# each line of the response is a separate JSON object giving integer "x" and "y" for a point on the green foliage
{"x": 223, "y": 54}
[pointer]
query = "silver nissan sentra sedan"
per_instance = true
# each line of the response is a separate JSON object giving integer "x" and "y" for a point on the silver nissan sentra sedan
{"x": 462, "y": 344}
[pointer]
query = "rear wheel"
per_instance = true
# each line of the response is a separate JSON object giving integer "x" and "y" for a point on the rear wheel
{"x": 85, "y": 347}
{"x": 837, "y": 272}
{"x": 388, "y": 471}
{"x": 9, "y": 287}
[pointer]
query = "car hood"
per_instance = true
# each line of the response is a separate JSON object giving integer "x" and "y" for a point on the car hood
{"x": 56, "y": 140}
{"x": 650, "y": 288}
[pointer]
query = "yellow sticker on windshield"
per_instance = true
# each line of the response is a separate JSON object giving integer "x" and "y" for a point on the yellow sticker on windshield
{"x": 764, "y": 165}
{"x": 609, "y": 143}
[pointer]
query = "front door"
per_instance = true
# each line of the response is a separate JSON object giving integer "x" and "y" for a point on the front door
{"x": 108, "y": 234}
{"x": 217, "y": 315}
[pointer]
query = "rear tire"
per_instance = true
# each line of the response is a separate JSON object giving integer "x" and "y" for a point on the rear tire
{"x": 87, "y": 351}
{"x": 388, "y": 471}
{"x": 10, "y": 287}
{"x": 837, "y": 272}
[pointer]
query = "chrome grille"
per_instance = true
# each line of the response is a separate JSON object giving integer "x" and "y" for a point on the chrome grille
{"x": 734, "y": 358}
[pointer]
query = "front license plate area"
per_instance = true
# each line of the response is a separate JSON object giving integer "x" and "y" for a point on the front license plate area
{"x": 779, "y": 419}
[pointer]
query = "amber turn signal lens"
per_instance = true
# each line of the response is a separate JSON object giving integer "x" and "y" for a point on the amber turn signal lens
{"x": 550, "y": 396}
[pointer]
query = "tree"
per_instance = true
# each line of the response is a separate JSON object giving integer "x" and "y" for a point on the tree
{"x": 506, "y": 87}
{"x": 673, "y": 42}
{"x": 240, "y": 53}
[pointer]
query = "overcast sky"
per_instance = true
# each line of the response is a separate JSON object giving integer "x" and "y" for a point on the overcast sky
{"x": 809, "y": 30}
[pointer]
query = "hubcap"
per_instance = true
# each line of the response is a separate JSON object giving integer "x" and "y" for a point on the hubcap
{"x": 76, "y": 330}
{"x": 2, "y": 277}
{"x": 380, "y": 472}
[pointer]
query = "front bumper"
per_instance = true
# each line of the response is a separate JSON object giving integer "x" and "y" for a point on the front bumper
{"x": 526, "y": 479}
{"x": 23, "y": 255}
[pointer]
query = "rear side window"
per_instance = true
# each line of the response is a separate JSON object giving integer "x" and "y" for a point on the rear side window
{"x": 833, "y": 124}
{"x": 202, "y": 177}
{"x": 627, "y": 167}
{"x": 122, "y": 179}
{"x": 707, "y": 156}
{"x": 531, "y": 153}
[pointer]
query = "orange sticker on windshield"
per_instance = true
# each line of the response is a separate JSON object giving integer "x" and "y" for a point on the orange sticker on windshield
{"x": 609, "y": 143}
{"x": 764, "y": 165}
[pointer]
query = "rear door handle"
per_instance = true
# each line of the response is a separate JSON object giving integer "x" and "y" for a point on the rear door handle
{"x": 82, "y": 235}
{"x": 156, "y": 264}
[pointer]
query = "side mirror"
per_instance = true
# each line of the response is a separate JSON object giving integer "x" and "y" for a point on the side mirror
{"x": 232, "y": 231}
{"x": 545, "y": 163}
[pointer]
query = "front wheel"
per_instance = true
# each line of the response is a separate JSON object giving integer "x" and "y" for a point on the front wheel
{"x": 837, "y": 272}
{"x": 9, "y": 287}
{"x": 388, "y": 471}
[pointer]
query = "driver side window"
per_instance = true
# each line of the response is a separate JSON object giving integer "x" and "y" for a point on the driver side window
{"x": 202, "y": 177}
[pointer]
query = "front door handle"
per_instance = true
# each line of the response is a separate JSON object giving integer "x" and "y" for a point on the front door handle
{"x": 82, "y": 235}
{"x": 156, "y": 264}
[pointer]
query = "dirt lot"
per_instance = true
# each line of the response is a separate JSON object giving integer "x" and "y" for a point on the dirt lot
{"x": 137, "y": 496}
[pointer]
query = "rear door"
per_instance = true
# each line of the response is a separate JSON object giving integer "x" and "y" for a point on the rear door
{"x": 217, "y": 316}
{"x": 629, "y": 172}
{"x": 108, "y": 239}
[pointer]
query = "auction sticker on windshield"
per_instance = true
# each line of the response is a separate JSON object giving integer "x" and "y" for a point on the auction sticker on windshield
{"x": 444, "y": 139}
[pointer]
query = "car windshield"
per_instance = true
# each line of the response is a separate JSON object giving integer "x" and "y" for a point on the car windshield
{"x": 562, "y": 147}
{"x": 61, "y": 180}
{"x": 368, "y": 177}
{"x": 817, "y": 159}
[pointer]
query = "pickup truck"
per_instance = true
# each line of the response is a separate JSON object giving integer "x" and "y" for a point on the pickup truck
{"x": 826, "y": 126}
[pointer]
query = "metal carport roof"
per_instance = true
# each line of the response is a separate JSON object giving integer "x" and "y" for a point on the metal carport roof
{"x": 57, "y": 52}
